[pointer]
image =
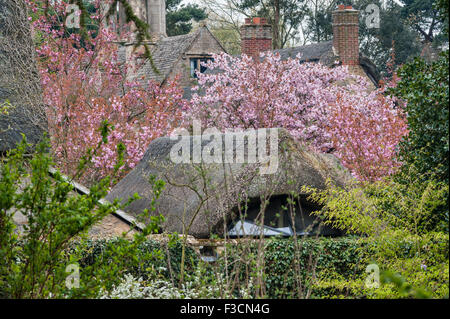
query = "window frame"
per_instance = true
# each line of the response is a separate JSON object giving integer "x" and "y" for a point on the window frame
{"x": 197, "y": 60}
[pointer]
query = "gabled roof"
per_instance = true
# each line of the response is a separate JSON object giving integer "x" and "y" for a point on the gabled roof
{"x": 166, "y": 53}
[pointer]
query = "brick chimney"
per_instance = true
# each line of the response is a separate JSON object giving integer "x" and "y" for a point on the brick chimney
{"x": 256, "y": 36}
{"x": 345, "y": 34}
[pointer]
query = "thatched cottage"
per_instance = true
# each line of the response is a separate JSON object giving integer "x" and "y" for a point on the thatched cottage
{"x": 218, "y": 208}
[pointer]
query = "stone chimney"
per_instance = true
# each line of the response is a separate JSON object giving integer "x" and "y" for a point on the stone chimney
{"x": 156, "y": 17}
{"x": 153, "y": 12}
{"x": 256, "y": 36}
{"x": 345, "y": 34}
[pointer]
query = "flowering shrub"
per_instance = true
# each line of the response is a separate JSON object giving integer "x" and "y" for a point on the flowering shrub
{"x": 272, "y": 93}
{"x": 365, "y": 131}
{"x": 328, "y": 108}
{"x": 84, "y": 85}
{"x": 132, "y": 288}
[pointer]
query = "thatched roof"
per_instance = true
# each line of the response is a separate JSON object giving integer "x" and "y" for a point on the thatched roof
{"x": 205, "y": 195}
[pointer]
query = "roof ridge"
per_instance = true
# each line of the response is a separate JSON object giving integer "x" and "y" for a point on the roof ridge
{"x": 307, "y": 45}
{"x": 180, "y": 36}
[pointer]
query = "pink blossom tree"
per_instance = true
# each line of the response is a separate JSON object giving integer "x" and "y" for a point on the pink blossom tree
{"x": 84, "y": 85}
{"x": 326, "y": 108}
{"x": 365, "y": 131}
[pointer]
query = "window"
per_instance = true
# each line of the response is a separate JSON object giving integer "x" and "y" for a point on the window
{"x": 278, "y": 220}
{"x": 196, "y": 65}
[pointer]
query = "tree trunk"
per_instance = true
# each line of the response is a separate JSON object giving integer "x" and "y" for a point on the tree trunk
{"x": 19, "y": 78}
{"x": 276, "y": 24}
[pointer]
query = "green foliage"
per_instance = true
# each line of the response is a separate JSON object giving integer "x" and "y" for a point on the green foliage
{"x": 424, "y": 88}
{"x": 4, "y": 107}
{"x": 403, "y": 288}
{"x": 416, "y": 207}
{"x": 110, "y": 260}
{"x": 179, "y": 17}
{"x": 442, "y": 8}
{"x": 401, "y": 234}
{"x": 330, "y": 267}
{"x": 122, "y": 256}
{"x": 423, "y": 16}
{"x": 314, "y": 256}
{"x": 32, "y": 260}
{"x": 409, "y": 268}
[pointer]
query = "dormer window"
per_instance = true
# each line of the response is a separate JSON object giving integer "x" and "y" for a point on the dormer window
{"x": 196, "y": 65}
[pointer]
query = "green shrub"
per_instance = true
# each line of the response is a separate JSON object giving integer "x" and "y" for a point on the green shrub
{"x": 342, "y": 255}
{"x": 150, "y": 257}
{"x": 398, "y": 232}
{"x": 315, "y": 256}
{"x": 424, "y": 88}
{"x": 36, "y": 261}
{"x": 32, "y": 260}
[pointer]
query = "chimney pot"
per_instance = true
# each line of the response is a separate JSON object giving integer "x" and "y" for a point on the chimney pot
{"x": 256, "y": 20}
{"x": 259, "y": 20}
